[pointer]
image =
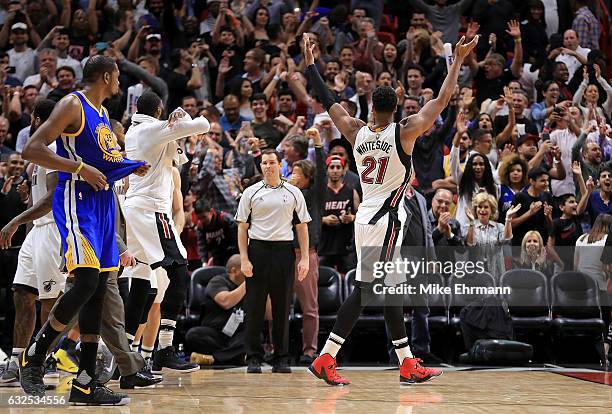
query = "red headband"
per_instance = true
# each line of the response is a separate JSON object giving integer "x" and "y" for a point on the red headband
{"x": 333, "y": 158}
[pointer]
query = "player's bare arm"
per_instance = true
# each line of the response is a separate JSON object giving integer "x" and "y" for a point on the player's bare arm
{"x": 65, "y": 118}
{"x": 415, "y": 125}
{"x": 347, "y": 125}
{"x": 178, "y": 215}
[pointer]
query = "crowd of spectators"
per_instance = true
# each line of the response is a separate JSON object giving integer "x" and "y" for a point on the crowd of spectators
{"x": 527, "y": 133}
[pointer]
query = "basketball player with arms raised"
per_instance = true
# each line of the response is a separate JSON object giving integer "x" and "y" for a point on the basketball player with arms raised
{"x": 383, "y": 156}
{"x": 88, "y": 162}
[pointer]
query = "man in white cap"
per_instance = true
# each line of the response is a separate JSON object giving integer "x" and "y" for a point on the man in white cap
{"x": 21, "y": 56}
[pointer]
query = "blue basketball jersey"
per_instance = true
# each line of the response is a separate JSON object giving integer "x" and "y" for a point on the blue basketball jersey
{"x": 94, "y": 144}
{"x": 85, "y": 218}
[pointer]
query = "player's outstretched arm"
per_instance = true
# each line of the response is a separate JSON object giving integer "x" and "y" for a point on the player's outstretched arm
{"x": 65, "y": 118}
{"x": 415, "y": 125}
{"x": 179, "y": 126}
{"x": 347, "y": 125}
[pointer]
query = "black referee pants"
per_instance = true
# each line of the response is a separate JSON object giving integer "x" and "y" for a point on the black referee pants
{"x": 273, "y": 274}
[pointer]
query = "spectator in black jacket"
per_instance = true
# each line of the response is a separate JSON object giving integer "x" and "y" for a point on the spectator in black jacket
{"x": 220, "y": 338}
{"x": 428, "y": 152}
{"x": 446, "y": 231}
{"x": 217, "y": 234}
{"x": 312, "y": 181}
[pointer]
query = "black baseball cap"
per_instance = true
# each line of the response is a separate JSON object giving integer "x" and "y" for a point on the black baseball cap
{"x": 527, "y": 137}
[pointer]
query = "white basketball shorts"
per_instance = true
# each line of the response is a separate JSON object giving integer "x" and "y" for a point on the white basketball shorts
{"x": 39, "y": 262}
{"x": 378, "y": 242}
{"x": 153, "y": 240}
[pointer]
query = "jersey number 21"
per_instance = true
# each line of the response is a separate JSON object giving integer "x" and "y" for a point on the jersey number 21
{"x": 370, "y": 165}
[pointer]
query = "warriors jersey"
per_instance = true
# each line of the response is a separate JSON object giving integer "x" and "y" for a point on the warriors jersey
{"x": 85, "y": 218}
{"x": 95, "y": 144}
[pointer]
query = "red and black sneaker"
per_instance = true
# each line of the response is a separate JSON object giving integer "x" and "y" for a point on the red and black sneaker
{"x": 324, "y": 367}
{"x": 412, "y": 372}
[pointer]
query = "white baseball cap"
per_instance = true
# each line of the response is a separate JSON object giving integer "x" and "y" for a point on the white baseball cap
{"x": 19, "y": 25}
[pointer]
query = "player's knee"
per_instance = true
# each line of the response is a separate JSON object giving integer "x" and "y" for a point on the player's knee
{"x": 86, "y": 281}
{"x": 47, "y": 304}
{"x": 23, "y": 298}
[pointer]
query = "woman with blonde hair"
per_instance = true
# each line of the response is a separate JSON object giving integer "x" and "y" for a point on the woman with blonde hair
{"x": 534, "y": 254}
{"x": 488, "y": 235}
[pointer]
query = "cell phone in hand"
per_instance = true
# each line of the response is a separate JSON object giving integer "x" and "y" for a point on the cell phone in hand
{"x": 10, "y": 69}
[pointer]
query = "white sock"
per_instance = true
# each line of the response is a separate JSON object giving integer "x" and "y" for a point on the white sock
{"x": 130, "y": 337}
{"x": 146, "y": 352}
{"x": 135, "y": 346}
{"x": 166, "y": 333}
{"x": 15, "y": 354}
{"x": 332, "y": 345}
{"x": 402, "y": 349}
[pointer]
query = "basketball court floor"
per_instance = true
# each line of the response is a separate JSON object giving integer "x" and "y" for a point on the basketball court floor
{"x": 545, "y": 389}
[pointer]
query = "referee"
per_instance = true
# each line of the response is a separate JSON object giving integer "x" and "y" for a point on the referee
{"x": 266, "y": 215}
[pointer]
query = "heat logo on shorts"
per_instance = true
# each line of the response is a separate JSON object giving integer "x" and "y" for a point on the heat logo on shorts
{"x": 48, "y": 284}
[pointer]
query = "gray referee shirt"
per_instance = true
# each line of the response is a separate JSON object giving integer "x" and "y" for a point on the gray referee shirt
{"x": 272, "y": 211}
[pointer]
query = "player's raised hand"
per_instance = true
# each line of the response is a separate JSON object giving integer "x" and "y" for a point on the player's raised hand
{"x": 174, "y": 117}
{"x": 93, "y": 177}
{"x": 309, "y": 46}
{"x": 142, "y": 170}
{"x": 462, "y": 49}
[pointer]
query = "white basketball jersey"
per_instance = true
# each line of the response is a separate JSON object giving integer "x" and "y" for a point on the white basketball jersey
{"x": 383, "y": 171}
{"x": 39, "y": 190}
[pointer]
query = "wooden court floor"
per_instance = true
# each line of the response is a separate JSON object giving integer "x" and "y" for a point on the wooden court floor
{"x": 374, "y": 390}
